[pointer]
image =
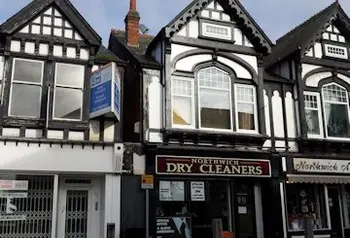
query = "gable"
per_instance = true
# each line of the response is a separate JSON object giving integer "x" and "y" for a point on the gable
{"x": 214, "y": 24}
{"x": 66, "y": 21}
{"x": 331, "y": 43}
{"x": 219, "y": 19}
{"x": 51, "y": 23}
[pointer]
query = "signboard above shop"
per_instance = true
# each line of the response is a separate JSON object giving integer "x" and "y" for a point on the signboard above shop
{"x": 212, "y": 166}
{"x": 321, "y": 166}
{"x": 105, "y": 92}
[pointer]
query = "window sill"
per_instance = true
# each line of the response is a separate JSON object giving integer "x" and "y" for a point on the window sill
{"x": 324, "y": 145}
{"x": 197, "y": 136}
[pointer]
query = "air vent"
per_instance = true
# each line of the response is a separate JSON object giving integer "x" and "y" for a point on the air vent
{"x": 336, "y": 51}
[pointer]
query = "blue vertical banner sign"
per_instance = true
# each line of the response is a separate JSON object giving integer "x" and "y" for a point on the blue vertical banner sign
{"x": 105, "y": 91}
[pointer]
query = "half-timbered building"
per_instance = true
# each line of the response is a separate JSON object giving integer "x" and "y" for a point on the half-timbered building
{"x": 204, "y": 125}
{"x": 311, "y": 62}
{"x": 59, "y": 170}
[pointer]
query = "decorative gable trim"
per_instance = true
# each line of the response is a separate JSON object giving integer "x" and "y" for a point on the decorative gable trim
{"x": 34, "y": 8}
{"x": 232, "y": 7}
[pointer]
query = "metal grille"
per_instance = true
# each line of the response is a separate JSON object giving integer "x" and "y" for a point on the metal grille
{"x": 27, "y": 213}
{"x": 76, "y": 214}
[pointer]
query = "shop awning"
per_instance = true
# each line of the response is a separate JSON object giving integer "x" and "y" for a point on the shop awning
{"x": 325, "y": 179}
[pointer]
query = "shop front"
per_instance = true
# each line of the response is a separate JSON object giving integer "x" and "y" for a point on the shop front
{"x": 208, "y": 197}
{"x": 56, "y": 190}
{"x": 317, "y": 189}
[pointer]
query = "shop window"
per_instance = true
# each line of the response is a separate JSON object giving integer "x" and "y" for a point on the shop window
{"x": 26, "y": 206}
{"x": 69, "y": 84}
{"x": 203, "y": 207}
{"x": 336, "y": 109}
{"x": 305, "y": 200}
{"x": 214, "y": 99}
{"x": 182, "y": 102}
{"x": 27, "y": 79}
{"x": 346, "y": 205}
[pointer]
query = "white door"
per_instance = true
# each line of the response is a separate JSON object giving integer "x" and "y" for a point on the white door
{"x": 78, "y": 208}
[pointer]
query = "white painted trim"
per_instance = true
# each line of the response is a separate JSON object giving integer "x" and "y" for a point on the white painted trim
{"x": 27, "y": 83}
{"x": 283, "y": 206}
{"x": 55, "y": 206}
{"x": 324, "y": 110}
{"x": 191, "y": 80}
{"x": 284, "y": 164}
{"x": 230, "y": 101}
{"x": 258, "y": 211}
{"x": 256, "y": 131}
{"x": 320, "y": 121}
{"x": 68, "y": 87}
{"x": 327, "y": 207}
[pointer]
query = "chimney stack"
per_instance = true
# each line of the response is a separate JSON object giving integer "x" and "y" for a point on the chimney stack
{"x": 132, "y": 25}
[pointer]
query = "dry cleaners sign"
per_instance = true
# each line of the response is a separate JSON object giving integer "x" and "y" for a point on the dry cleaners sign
{"x": 321, "y": 166}
{"x": 212, "y": 166}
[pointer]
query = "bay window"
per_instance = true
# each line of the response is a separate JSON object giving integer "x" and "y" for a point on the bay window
{"x": 26, "y": 88}
{"x": 218, "y": 104}
{"x": 335, "y": 106}
{"x": 68, "y": 99}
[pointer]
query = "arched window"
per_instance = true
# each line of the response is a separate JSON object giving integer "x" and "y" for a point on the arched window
{"x": 214, "y": 89}
{"x": 336, "y": 110}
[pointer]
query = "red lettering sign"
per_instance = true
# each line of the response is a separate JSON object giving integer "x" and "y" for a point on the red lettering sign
{"x": 212, "y": 166}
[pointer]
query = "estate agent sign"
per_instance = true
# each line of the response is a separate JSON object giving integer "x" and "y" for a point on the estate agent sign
{"x": 321, "y": 166}
{"x": 212, "y": 166}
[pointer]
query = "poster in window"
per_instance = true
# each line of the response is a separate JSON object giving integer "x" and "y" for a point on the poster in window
{"x": 197, "y": 191}
{"x": 173, "y": 227}
{"x": 171, "y": 191}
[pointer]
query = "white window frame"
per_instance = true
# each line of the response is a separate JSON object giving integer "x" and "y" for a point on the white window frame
{"x": 199, "y": 104}
{"x": 320, "y": 122}
{"x": 256, "y": 131}
{"x": 25, "y": 83}
{"x": 209, "y": 34}
{"x": 68, "y": 87}
{"x": 191, "y": 80}
{"x": 324, "y": 110}
{"x": 2, "y": 78}
{"x": 327, "y": 53}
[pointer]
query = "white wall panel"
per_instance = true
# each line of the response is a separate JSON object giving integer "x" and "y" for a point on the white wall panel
{"x": 177, "y": 49}
{"x": 344, "y": 78}
{"x": 155, "y": 103}
{"x": 187, "y": 63}
{"x": 277, "y": 113}
{"x": 251, "y": 60}
{"x": 290, "y": 113}
{"x": 318, "y": 50}
{"x": 267, "y": 114}
{"x": 306, "y": 68}
{"x": 314, "y": 79}
{"x": 194, "y": 29}
{"x": 55, "y": 158}
{"x": 241, "y": 72}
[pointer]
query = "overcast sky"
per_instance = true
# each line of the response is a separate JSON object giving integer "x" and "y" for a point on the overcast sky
{"x": 275, "y": 17}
